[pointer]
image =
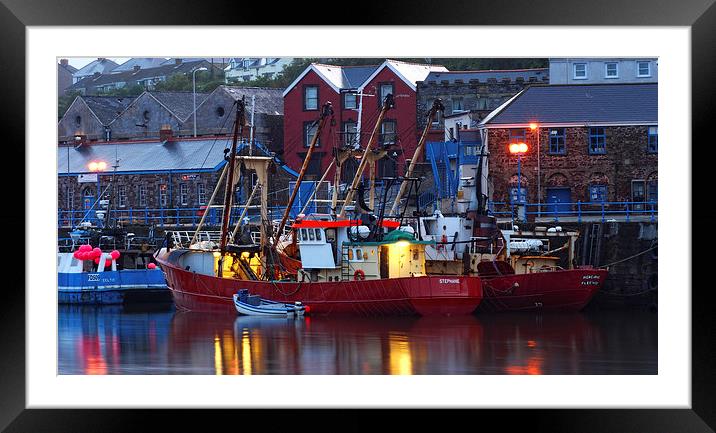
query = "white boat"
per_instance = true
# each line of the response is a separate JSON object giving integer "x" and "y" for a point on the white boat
{"x": 254, "y": 305}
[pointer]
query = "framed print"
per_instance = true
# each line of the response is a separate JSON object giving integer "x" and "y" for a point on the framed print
{"x": 71, "y": 368}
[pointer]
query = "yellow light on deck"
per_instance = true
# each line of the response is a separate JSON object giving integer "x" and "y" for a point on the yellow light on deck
{"x": 533, "y": 126}
{"x": 217, "y": 254}
{"x": 402, "y": 244}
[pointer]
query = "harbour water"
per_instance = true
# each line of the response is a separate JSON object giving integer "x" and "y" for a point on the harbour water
{"x": 156, "y": 339}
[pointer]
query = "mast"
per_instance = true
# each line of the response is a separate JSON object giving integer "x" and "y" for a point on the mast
{"x": 238, "y": 126}
{"x": 437, "y": 106}
{"x": 387, "y": 105}
{"x": 325, "y": 112}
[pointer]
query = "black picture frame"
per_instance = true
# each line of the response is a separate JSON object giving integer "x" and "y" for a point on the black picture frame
{"x": 16, "y": 15}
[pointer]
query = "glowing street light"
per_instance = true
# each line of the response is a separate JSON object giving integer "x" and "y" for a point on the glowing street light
{"x": 535, "y": 126}
{"x": 95, "y": 167}
{"x": 518, "y": 149}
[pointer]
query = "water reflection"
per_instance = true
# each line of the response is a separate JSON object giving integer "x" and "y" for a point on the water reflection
{"x": 113, "y": 340}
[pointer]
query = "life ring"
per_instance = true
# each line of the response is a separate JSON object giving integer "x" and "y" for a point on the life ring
{"x": 359, "y": 275}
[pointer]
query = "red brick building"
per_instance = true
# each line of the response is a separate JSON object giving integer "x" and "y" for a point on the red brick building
{"x": 343, "y": 86}
{"x": 586, "y": 143}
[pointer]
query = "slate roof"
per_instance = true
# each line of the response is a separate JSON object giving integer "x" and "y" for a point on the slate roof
{"x": 181, "y": 104}
{"x": 100, "y": 65}
{"x": 483, "y": 76}
{"x": 582, "y": 103}
{"x": 145, "y": 156}
{"x": 268, "y": 100}
{"x": 107, "y": 108}
{"x": 414, "y": 72}
{"x": 142, "y": 62}
{"x": 131, "y": 76}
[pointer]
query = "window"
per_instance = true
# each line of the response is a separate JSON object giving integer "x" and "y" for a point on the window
{"x": 163, "y": 195}
{"x": 145, "y": 115}
{"x": 142, "y": 195}
{"x": 122, "y": 196}
{"x": 597, "y": 193}
{"x": 350, "y": 133}
{"x": 556, "y": 141}
{"x": 311, "y": 234}
{"x": 318, "y": 234}
{"x": 637, "y": 191}
{"x": 580, "y": 71}
{"x": 437, "y": 119}
{"x": 456, "y": 104}
{"x": 219, "y": 111}
{"x": 652, "y": 191}
{"x": 597, "y": 141}
{"x": 310, "y": 98}
{"x": 643, "y": 69}
{"x": 385, "y": 90}
{"x": 201, "y": 193}
{"x": 611, "y": 70}
{"x": 522, "y": 198}
{"x": 78, "y": 120}
{"x": 184, "y": 194}
{"x": 309, "y": 130}
{"x": 350, "y": 101}
{"x": 653, "y": 143}
{"x": 387, "y": 132}
{"x": 517, "y": 135}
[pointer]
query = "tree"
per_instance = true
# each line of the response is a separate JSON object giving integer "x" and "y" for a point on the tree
{"x": 175, "y": 82}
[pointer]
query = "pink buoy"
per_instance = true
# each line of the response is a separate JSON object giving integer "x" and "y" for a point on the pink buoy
{"x": 96, "y": 261}
{"x": 108, "y": 263}
{"x": 151, "y": 266}
{"x": 76, "y": 254}
{"x": 85, "y": 247}
{"x": 96, "y": 252}
{"x": 115, "y": 254}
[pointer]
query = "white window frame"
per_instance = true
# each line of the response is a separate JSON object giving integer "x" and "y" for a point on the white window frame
{"x": 122, "y": 196}
{"x": 574, "y": 71}
{"x": 648, "y": 64}
{"x": 70, "y": 200}
{"x": 183, "y": 194}
{"x": 163, "y": 195}
{"x": 201, "y": 193}
{"x": 142, "y": 193}
{"x": 606, "y": 70}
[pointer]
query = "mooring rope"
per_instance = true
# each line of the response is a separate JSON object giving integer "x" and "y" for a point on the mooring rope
{"x": 630, "y": 257}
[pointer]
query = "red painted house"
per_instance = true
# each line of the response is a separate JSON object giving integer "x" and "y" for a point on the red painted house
{"x": 344, "y": 87}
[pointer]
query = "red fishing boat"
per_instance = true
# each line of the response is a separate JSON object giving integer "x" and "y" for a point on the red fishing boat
{"x": 365, "y": 265}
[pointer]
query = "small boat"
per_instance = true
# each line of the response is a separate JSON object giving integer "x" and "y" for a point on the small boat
{"x": 254, "y": 305}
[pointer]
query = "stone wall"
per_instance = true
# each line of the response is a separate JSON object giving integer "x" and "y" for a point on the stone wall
{"x": 79, "y": 119}
{"x": 481, "y": 97}
{"x": 626, "y": 159}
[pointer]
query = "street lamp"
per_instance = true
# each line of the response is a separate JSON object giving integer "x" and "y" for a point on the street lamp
{"x": 518, "y": 149}
{"x": 96, "y": 167}
{"x": 535, "y": 126}
{"x": 193, "y": 81}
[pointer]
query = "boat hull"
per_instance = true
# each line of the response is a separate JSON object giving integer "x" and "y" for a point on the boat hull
{"x": 425, "y": 295}
{"x": 111, "y": 287}
{"x": 565, "y": 290}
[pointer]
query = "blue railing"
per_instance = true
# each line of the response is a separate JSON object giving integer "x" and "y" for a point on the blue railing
{"x": 579, "y": 210}
{"x": 178, "y": 216}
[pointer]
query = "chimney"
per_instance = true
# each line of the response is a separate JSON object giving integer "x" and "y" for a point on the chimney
{"x": 136, "y": 68}
{"x": 63, "y": 62}
{"x": 96, "y": 75}
{"x": 166, "y": 134}
{"x": 79, "y": 139}
{"x": 177, "y": 61}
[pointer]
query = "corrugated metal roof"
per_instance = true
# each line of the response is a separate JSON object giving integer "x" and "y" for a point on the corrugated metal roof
{"x": 107, "y": 108}
{"x": 483, "y": 76}
{"x": 268, "y": 100}
{"x": 145, "y": 156}
{"x": 597, "y": 103}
